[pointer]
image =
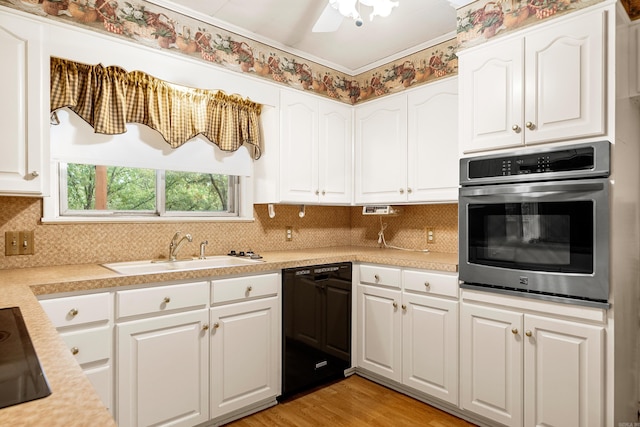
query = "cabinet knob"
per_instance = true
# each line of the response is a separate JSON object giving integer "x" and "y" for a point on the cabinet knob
{"x": 528, "y": 333}
{"x": 427, "y": 285}
{"x": 376, "y": 277}
{"x": 205, "y": 327}
{"x": 323, "y": 192}
{"x": 395, "y": 304}
{"x": 409, "y": 190}
{"x": 216, "y": 325}
{"x": 530, "y": 125}
{"x": 75, "y": 350}
{"x": 73, "y": 312}
{"x": 249, "y": 288}
{"x": 514, "y": 331}
{"x": 166, "y": 300}
{"x": 515, "y": 128}
{"x": 404, "y": 307}
{"x": 35, "y": 174}
{"x": 317, "y": 192}
{"x": 402, "y": 191}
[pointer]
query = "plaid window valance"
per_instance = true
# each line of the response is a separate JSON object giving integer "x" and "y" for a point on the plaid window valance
{"x": 109, "y": 97}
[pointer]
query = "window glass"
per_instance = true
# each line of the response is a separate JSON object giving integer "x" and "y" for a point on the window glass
{"x": 112, "y": 190}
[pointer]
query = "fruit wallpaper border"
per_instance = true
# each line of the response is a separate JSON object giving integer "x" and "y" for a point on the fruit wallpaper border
{"x": 485, "y": 19}
{"x": 161, "y": 28}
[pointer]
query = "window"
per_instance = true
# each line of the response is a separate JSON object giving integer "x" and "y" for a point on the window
{"x": 95, "y": 190}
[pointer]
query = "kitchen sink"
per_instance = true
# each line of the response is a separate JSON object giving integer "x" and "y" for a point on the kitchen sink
{"x": 166, "y": 266}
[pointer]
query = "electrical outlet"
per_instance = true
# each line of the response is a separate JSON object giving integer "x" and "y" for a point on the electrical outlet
{"x": 11, "y": 246}
{"x": 289, "y": 233}
{"x": 431, "y": 234}
{"x": 25, "y": 242}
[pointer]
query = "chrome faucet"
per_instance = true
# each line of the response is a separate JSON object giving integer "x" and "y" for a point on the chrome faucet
{"x": 175, "y": 244}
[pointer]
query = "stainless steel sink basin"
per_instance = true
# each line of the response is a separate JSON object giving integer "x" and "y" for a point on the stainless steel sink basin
{"x": 162, "y": 266}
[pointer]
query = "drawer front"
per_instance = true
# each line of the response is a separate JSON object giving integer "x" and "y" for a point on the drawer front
{"x": 90, "y": 345}
{"x": 240, "y": 288}
{"x": 159, "y": 299}
{"x": 376, "y": 275}
{"x": 78, "y": 310}
{"x": 430, "y": 282}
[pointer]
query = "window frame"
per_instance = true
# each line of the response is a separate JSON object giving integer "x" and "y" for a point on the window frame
{"x": 241, "y": 195}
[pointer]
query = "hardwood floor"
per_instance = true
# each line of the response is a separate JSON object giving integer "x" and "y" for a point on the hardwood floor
{"x": 354, "y": 401}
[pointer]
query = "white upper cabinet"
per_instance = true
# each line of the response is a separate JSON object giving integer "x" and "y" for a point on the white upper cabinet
{"x": 432, "y": 159}
{"x": 315, "y": 150}
{"x": 546, "y": 85}
{"x": 381, "y": 151}
{"x": 407, "y": 146}
{"x": 23, "y": 111}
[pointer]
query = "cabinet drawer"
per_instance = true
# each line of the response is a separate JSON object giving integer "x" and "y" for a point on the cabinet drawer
{"x": 78, "y": 310}
{"x": 89, "y": 345}
{"x": 430, "y": 282}
{"x": 159, "y": 299}
{"x": 377, "y": 275}
{"x": 239, "y": 288}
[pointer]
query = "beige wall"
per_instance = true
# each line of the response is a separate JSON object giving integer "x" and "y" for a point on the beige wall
{"x": 322, "y": 226}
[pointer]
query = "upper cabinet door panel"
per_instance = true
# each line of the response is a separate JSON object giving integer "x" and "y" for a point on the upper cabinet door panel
{"x": 335, "y": 153}
{"x": 299, "y": 148}
{"x": 432, "y": 160}
{"x": 565, "y": 88}
{"x": 23, "y": 117}
{"x": 491, "y": 90}
{"x": 381, "y": 147}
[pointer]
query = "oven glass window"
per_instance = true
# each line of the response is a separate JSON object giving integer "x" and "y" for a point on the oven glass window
{"x": 545, "y": 236}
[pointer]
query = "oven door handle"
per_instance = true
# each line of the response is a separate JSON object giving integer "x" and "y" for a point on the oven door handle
{"x": 533, "y": 188}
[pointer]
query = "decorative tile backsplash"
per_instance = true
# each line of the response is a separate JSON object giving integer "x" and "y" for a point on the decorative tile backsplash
{"x": 322, "y": 226}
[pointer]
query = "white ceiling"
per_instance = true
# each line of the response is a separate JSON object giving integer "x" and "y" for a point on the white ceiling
{"x": 287, "y": 24}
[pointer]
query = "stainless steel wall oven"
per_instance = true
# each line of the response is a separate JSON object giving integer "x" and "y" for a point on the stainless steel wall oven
{"x": 535, "y": 222}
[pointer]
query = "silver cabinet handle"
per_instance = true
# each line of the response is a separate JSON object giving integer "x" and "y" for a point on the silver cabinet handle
{"x": 395, "y": 304}
{"x": 35, "y": 174}
{"x": 317, "y": 192}
{"x": 515, "y": 128}
{"x": 514, "y": 331}
{"x": 404, "y": 307}
{"x": 402, "y": 191}
{"x": 249, "y": 288}
{"x": 528, "y": 333}
{"x": 530, "y": 125}
{"x": 166, "y": 300}
{"x": 409, "y": 190}
{"x": 427, "y": 285}
{"x": 73, "y": 312}
{"x": 376, "y": 277}
{"x": 216, "y": 325}
{"x": 75, "y": 350}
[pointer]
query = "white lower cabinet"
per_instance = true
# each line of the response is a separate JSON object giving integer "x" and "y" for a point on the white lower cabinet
{"x": 524, "y": 369}
{"x": 407, "y": 330}
{"x": 245, "y": 343}
{"x": 85, "y": 323}
{"x": 163, "y": 361}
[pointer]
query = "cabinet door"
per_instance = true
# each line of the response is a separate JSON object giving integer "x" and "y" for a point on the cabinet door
{"x": 23, "y": 111}
{"x": 565, "y": 80}
{"x": 163, "y": 370}
{"x": 379, "y": 331}
{"x": 381, "y": 151}
{"x": 299, "y": 147}
{"x": 491, "y": 96}
{"x": 432, "y": 161}
{"x": 564, "y": 373}
{"x": 334, "y": 153}
{"x": 430, "y": 346}
{"x": 491, "y": 363}
{"x": 245, "y": 354}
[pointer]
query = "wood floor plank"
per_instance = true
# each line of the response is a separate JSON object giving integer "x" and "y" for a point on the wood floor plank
{"x": 351, "y": 402}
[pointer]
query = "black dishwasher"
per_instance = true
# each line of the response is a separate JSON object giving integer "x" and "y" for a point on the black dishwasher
{"x": 316, "y": 326}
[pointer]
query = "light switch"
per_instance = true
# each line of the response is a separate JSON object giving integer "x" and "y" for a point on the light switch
{"x": 11, "y": 243}
{"x": 25, "y": 242}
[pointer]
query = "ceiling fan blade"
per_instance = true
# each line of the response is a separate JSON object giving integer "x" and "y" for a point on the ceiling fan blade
{"x": 329, "y": 20}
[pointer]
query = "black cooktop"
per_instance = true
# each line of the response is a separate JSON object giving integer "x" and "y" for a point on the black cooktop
{"x": 21, "y": 376}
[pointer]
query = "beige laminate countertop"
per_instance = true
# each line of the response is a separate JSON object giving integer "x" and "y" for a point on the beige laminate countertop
{"x": 73, "y": 402}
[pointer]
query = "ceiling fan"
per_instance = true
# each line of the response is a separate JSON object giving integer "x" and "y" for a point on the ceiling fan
{"x": 337, "y": 10}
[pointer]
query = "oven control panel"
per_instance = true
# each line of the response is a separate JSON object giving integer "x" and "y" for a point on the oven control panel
{"x": 573, "y": 161}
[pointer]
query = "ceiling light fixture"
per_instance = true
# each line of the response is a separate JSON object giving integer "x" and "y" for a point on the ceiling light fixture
{"x": 351, "y": 8}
